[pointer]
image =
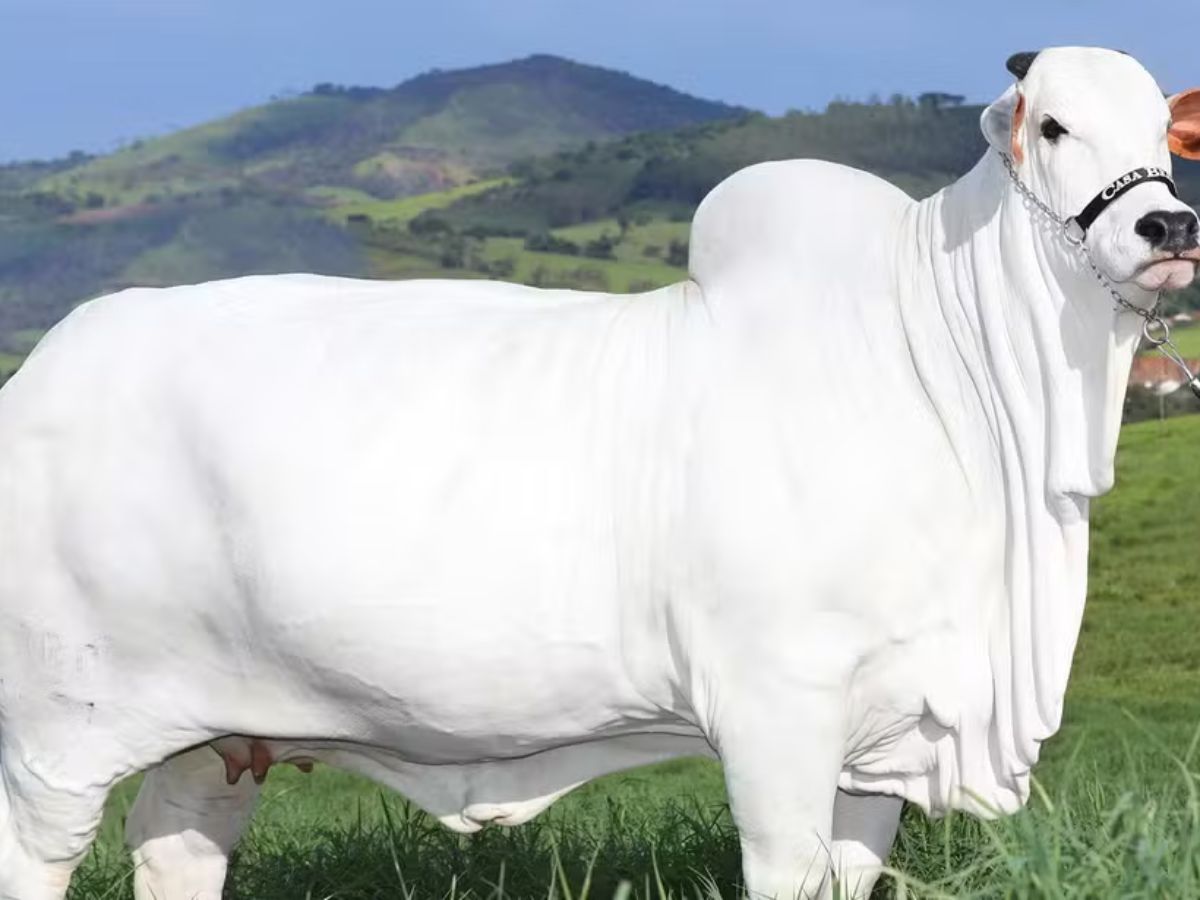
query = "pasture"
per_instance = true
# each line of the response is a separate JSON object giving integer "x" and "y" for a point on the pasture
{"x": 1187, "y": 339}
{"x": 346, "y": 202}
{"x": 1116, "y": 810}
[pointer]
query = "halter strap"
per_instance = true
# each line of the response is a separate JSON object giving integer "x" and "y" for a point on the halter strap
{"x": 1078, "y": 225}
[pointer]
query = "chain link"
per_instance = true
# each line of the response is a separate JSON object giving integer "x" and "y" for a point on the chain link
{"x": 1025, "y": 191}
{"x": 1155, "y": 329}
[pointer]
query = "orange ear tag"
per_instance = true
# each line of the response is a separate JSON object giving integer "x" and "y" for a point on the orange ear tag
{"x": 1018, "y": 152}
{"x": 1183, "y": 137}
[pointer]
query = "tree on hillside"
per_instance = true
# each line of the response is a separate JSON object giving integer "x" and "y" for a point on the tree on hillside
{"x": 454, "y": 252}
{"x": 429, "y": 224}
{"x": 936, "y": 100}
{"x": 677, "y": 254}
{"x": 601, "y": 248}
{"x": 543, "y": 242}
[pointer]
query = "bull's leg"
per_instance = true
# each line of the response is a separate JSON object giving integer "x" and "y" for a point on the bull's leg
{"x": 48, "y": 820}
{"x": 864, "y": 827}
{"x": 781, "y": 771}
{"x": 183, "y": 824}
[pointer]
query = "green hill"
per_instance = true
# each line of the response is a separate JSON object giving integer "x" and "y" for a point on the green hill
{"x": 433, "y": 131}
{"x": 245, "y": 194}
{"x": 541, "y": 171}
{"x": 614, "y": 216}
{"x": 584, "y": 217}
{"x": 47, "y": 265}
{"x": 918, "y": 146}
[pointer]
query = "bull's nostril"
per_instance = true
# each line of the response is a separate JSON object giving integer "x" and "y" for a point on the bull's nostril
{"x": 1153, "y": 228}
{"x": 1181, "y": 231}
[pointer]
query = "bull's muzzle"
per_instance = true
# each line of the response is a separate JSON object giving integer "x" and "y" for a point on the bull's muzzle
{"x": 1171, "y": 233}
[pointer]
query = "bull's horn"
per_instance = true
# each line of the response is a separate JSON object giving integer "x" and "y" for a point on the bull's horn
{"x": 1019, "y": 63}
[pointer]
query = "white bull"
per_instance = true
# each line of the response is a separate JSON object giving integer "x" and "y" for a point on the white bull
{"x": 820, "y": 512}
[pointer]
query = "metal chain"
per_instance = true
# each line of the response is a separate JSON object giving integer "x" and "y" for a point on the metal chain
{"x": 1025, "y": 191}
{"x": 1155, "y": 329}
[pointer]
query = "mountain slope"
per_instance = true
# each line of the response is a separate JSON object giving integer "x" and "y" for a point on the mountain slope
{"x": 433, "y": 131}
{"x": 919, "y": 147}
{"x": 615, "y": 216}
{"x": 609, "y": 215}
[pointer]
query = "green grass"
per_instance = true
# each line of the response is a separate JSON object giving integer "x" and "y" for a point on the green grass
{"x": 388, "y": 264}
{"x": 394, "y": 254}
{"x": 1186, "y": 338}
{"x": 1115, "y": 813}
{"x": 9, "y": 362}
{"x": 630, "y": 271}
{"x": 620, "y": 275}
{"x": 1090, "y": 838}
{"x": 24, "y": 340}
{"x": 333, "y": 195}
{"x": 655, "y": 235}
{"x": 589, "y": 231}
{"x": 174, "y": 164}
{"x": 399, "y": 212}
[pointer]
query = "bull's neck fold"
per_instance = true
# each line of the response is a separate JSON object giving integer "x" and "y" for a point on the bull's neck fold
{"x": 1033, "y": 341}
{"x": 1024, "y": 310}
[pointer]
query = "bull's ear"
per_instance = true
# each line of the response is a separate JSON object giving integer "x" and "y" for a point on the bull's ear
{"x": 1184, "y": 135}
{"x": 1002, "y": 124}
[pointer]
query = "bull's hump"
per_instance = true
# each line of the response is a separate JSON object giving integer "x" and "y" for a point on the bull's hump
{"x": 809, "y": 220}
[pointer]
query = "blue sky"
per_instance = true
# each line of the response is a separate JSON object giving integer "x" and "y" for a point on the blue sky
{"x": 89, "y": 74}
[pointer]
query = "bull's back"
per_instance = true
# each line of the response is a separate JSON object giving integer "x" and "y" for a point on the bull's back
{"x": 330, "y": 490}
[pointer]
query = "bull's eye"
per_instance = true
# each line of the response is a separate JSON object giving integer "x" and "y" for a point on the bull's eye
{"x": 1052, "y": 129}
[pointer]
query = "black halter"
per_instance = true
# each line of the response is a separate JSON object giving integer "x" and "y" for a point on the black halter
{"x": 1078, "y": 225}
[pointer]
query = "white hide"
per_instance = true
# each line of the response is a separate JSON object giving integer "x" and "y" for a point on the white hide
{"x": 821, "y": 510}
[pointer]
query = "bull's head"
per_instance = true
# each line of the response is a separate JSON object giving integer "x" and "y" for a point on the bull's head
{"x": 1078, "y": 124}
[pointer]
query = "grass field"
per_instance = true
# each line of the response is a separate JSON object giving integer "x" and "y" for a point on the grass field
{"x": 1116, "y": 812}
{"x": 1187, "y": 339}
{"x": 400, "y": 211}
{"x": 644, "y": 242}
{"x": 626, "y": 273}
{"x": 9, "y": 362}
